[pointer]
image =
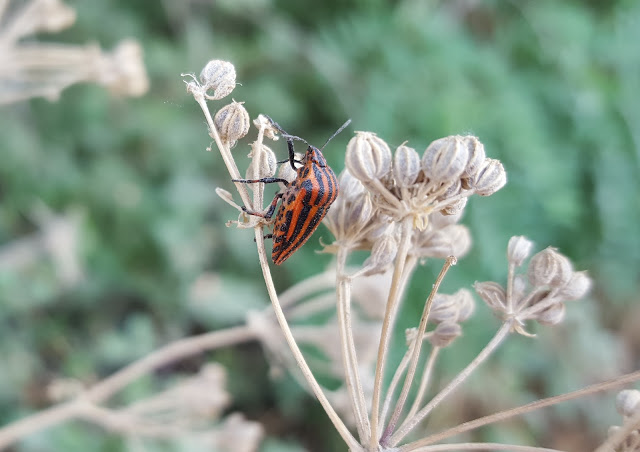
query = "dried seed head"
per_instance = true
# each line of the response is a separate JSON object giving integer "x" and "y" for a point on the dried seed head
{"x": 360, "y": 212}
{"x": 368, "y": 157}
{"x": 232, "y": 121}
{"x": 382, "y": 255}
{"x": 492, "y": 293}
{"x": 489, "y": 178}
{"x": 219, "y": 76}
{"x": 445, "y": 159}
{"x": 549, "y": 268}
{"x": 552, "y": 315}
{"x": 262, "y": 122}
{"x": 476, "y": 156}
{"x": 444, "y": 334}
{"x": 265, "y": 164}
{"x": 406, "y": 166}
{"x": 519, "y": 249}
{"x": 577, "y": 287}
{"x": 628, "y": 402}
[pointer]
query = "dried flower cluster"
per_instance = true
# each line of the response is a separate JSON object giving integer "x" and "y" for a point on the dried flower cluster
{"x": 627, "y": 436}
{"x": 402, "y": 207}
{"x": 45, "y": 69}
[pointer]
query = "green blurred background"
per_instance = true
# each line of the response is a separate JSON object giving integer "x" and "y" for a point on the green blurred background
{"x": 551, "y": 88}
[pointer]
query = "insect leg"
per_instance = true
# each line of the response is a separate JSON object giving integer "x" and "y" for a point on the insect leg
{"x": 269, "y": 213}
{"x": 264, "y": 180}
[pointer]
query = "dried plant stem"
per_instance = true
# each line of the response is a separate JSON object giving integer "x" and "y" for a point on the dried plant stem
{"x": 100, "y": 392}
{"x": 410, "y": 423}
{"x": 225, "y": 152}
{"x": 302, "y": 364}
{"x": 424, "y": 381}
{"x": 392, "y": 387}
{"x": 415, "y": 350}
{"x": 349, "y": 354}
{"x": 387, "y": 325}
{"x": 482, "y": 446}
{"x": 507, "y": 414}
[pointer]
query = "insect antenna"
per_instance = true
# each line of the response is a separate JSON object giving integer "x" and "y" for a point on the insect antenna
{"x": 342, "y": 127}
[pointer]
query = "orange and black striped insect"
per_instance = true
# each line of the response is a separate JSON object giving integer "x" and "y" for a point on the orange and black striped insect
{"x": 305, "y": 201}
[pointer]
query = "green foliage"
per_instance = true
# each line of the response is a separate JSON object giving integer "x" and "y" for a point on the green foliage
{"x": 549, "y": 87}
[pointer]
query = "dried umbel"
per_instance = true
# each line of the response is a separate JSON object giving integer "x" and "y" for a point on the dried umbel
{"x": 232, "y": 122}
{"x": 552, "y": 282}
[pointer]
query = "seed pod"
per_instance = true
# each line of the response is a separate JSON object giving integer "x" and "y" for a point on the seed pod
{"x": 266, "y": 164}
{"x": 406, "y": 166}
{"x": 443, "y": 309}
{"x": 577, "y": 287}
{"x": 455, "y": 208}
{"x": 489, "y": 178}
{"x": 261, "y": 122}
{"x": 444, "y": 334}
{"x": 628, "y": 402}
{"x": 552, "y": 315}
{"x": 382, "y": 254}
{"x": 466, "y": 304}
{"x": 368, "y": 157}
{"x": 549, "y": 268}
{"x": 232, "y": 122}
{"x": 492, "y": 293}
{"x": 476, "y": 156}
{"x": 219, "y": 76}
{"x": 350, "y": 187}
{"x": 452, "y": 240}
{"x": 445, "y": 159}
{"x": 519, "y": 249}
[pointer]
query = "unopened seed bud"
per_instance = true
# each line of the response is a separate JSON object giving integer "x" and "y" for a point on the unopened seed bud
{"x": 444, "y": 334}
{"x": 232, "y": 122}
{"x": 368, "y": 157}
{"x": 360, "y": 212}
{"x": 628, "y": 402}
{"x": 549, "y": 268}
{"x": 490, "y": 177}
{"x": 406, "y": 166}
{"x": 552, "y": 315}
{"x": 492, "y": 293}
{"x": 476, "y": 156}
{"x": 382, "y": 255}
{"x": 466, "y": 304}
{"x": 445, "y": 159}
{"x": 577, "y": 287}
{"x": 265, "y": 164}
{"x": 219, "y": 76}
{"x": 519, "y": 249}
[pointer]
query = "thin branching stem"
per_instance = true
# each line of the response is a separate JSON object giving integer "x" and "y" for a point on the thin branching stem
{"x": 424, "y": 381}
{"x": 342, "y": 429}
{"x": 393, "y": 386}
{"x": 410, "y": 423}
{"x": 387, "y": 324}
{"x": 482, "y": 446}
{"x": 349, "y": 354}
{"x": 415, "y": 350}
{"x": 518, "y": 411}
{"x": 100, "y": 392}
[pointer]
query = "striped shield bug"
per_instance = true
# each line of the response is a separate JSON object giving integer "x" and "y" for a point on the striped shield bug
{"x": 305, "y": 201}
